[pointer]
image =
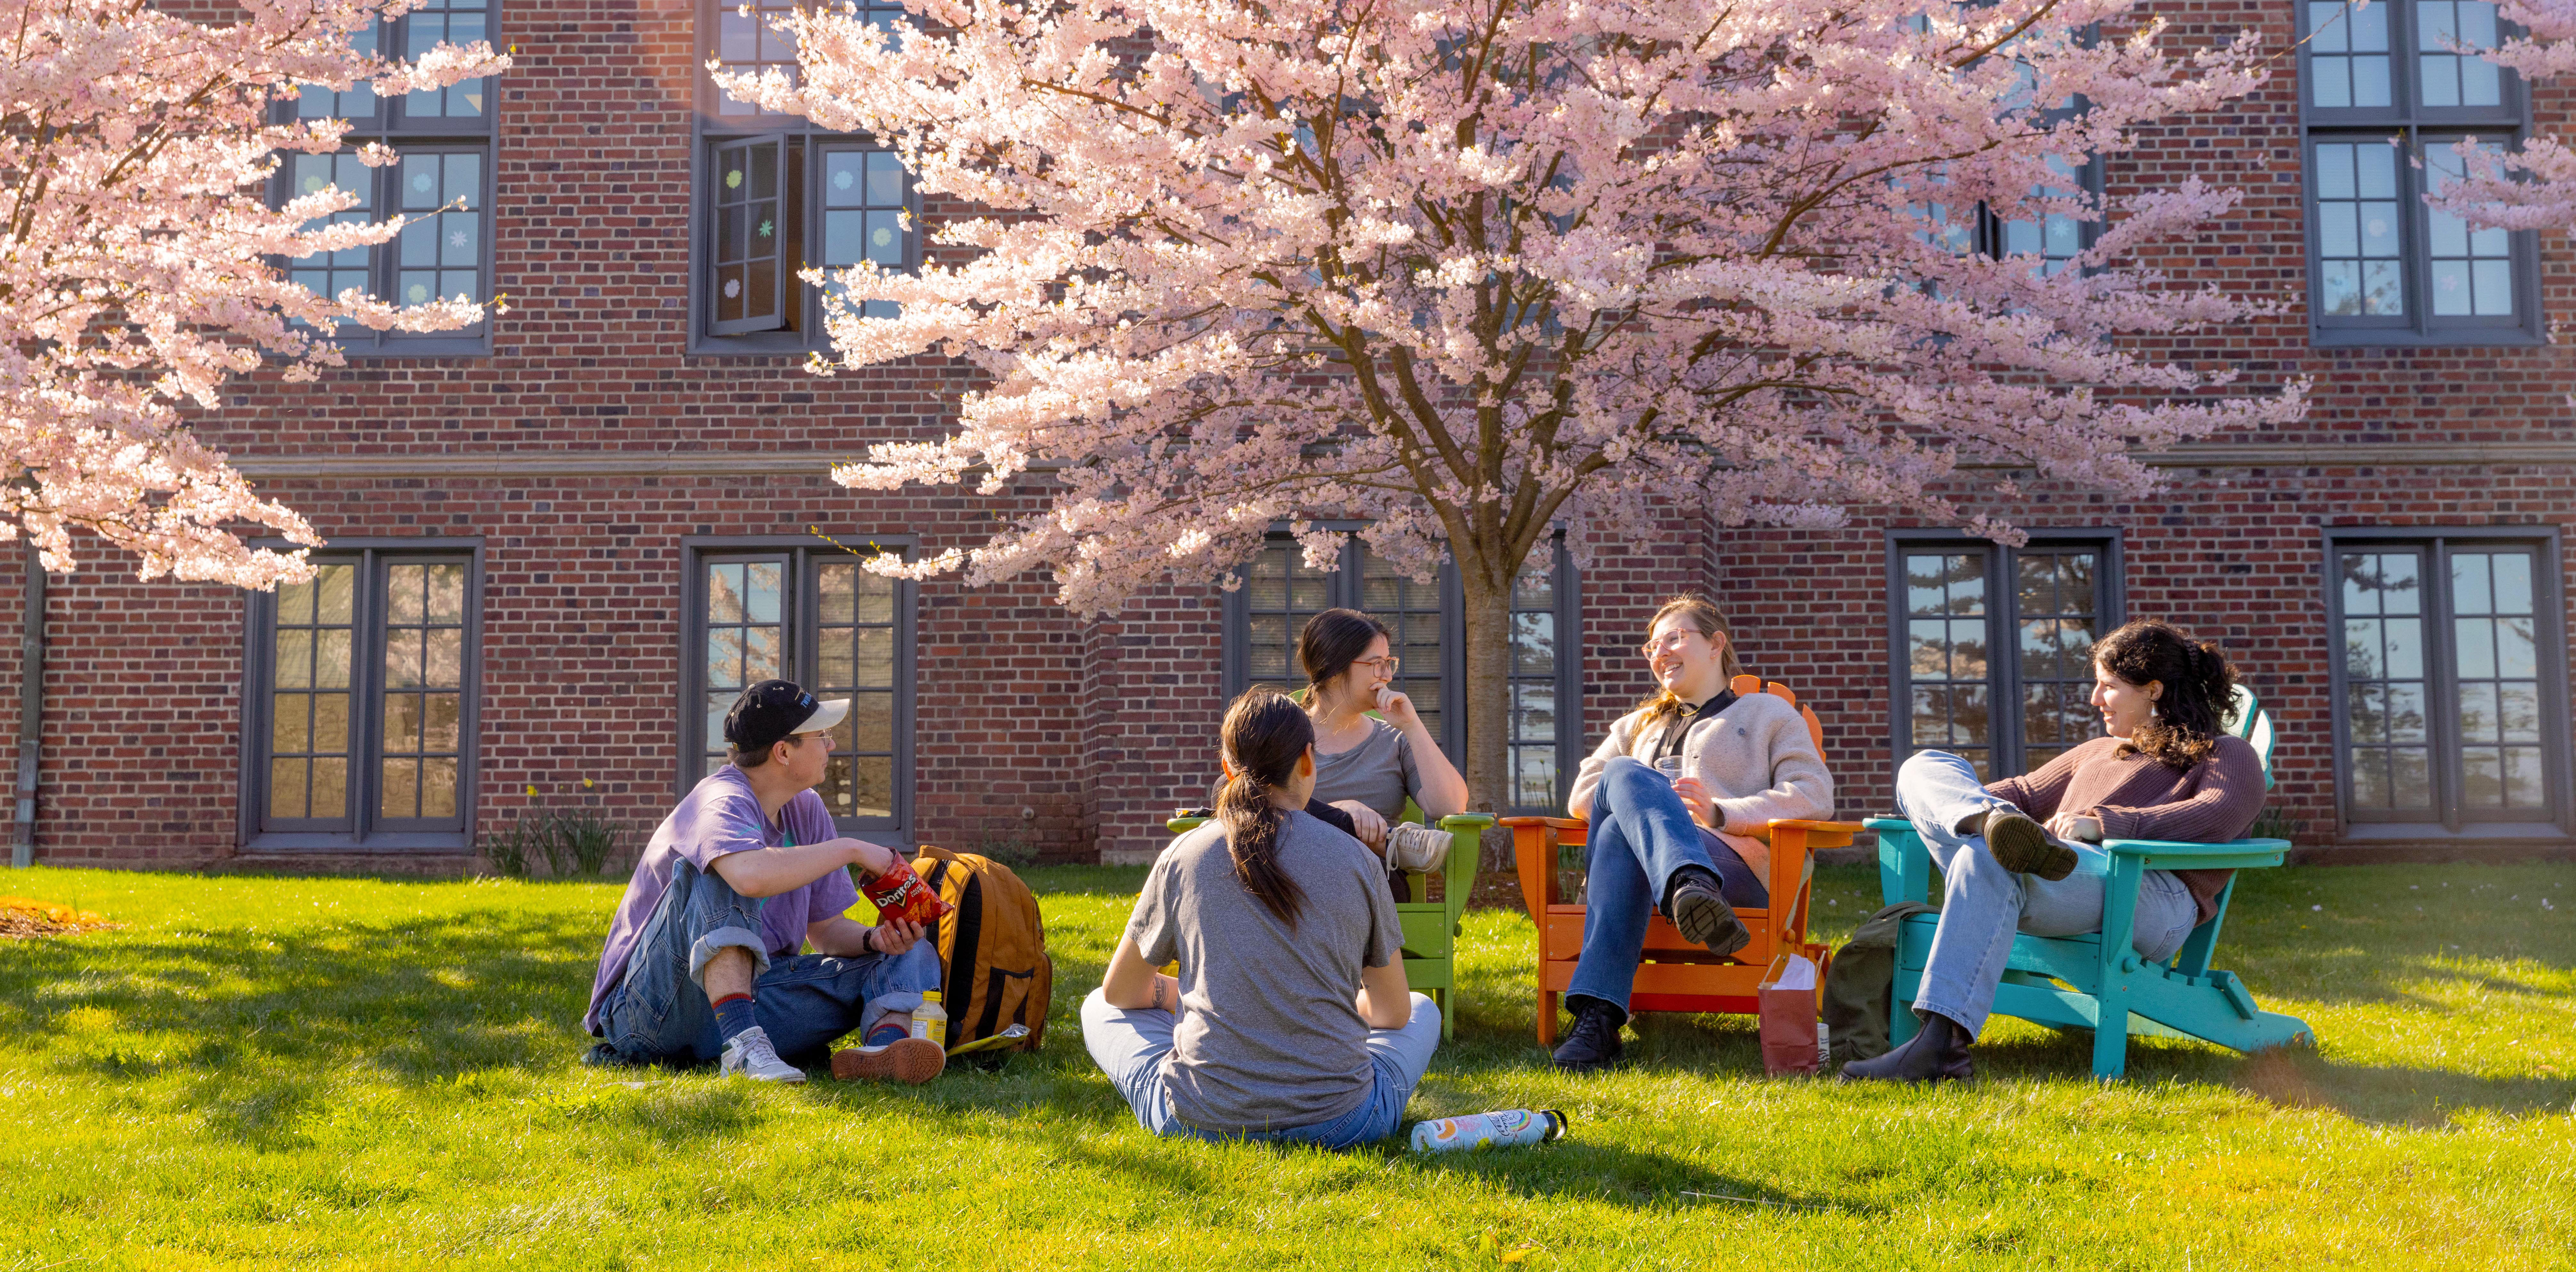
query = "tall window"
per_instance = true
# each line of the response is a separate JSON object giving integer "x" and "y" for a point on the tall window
{"x": 1993, "y": 647}
{"x": 2389, "y": 88}
{"x": 442, "y": 185}
{"x": 361, "y": 703}
{"x": 806, "y": 612}
{"x": 1280, "y": 592}
{"x": 778, "y": 196}
{"x": 2451, "y": 705}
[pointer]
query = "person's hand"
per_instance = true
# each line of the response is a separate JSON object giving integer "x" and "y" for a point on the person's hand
{"x": 1372, "y": 828}
{"x": 894, "y": 936}
{"x": 1397, "y": 709}
{"x": 2072, "y": 826}
{"x": 871, "y": 859}
{"x": 1696, "y": 797}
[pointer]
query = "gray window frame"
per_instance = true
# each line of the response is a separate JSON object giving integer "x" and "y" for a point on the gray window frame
{"x": 710, "y": 131}
{"x": 2448, "y": 819}
{"x": 366, "y": 700}
{"x": 393, "y": 126}
{"x": 1343, "y": 586}
{"x": 2421, "y": 128}
{"x": 2008, "y": 749}
{"x": 801, "y": 632}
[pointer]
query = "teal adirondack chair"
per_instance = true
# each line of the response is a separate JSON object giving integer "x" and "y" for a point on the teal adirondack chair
{"x": 1431, "y": 928}
{"x": 2077, "y": 982}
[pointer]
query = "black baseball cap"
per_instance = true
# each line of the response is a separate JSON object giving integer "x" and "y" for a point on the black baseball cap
{"x": 772, "y": 711}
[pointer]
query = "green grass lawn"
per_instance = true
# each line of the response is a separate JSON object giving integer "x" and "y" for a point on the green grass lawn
{"x": 258, "y": 1071}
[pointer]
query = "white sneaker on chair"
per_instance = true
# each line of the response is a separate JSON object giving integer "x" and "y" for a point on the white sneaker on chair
{"x": 751, "y": 1055}
{"x": 1413, "y": 846}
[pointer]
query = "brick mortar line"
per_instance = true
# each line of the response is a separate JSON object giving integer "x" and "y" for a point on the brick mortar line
{"x": 544, "y": 463}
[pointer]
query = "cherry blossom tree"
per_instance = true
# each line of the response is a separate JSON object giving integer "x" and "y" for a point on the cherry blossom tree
{"x": 1472, "y": 271}
{"x": 138, "y": 261}
{"x": 2532, "y": 187}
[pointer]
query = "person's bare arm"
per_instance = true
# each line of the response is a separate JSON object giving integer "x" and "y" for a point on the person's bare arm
{"x": 770, "y": 871}
{"x": 1384, "y": 1001}
{"x": 844, "y": 937}
{"x": 1134, "y": 984}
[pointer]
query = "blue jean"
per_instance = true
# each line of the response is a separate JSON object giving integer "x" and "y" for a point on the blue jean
{"x": 1641, "y": 833}
{"x": 659, "y": 1012}
{"x": 1983, "y": 904}
{"x": 1129, "y": 1046}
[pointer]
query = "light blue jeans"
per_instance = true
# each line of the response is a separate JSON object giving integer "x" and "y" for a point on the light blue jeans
{"x": 659, "y": 1012}
{"x": 1983, "y": 904}
{"x": 1129, "y": 1046}
{"x": 1640, "y": 834}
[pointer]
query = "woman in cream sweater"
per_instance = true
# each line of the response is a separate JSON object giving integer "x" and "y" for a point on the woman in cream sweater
{"x": 1688, "y": 846}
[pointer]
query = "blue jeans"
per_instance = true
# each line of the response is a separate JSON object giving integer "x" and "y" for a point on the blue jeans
{"x": 1129, "y": 1046}
{"x": 659, "y": 1012}
{"x": 1983, "y": 904}
{"x": 1640, "y": 834}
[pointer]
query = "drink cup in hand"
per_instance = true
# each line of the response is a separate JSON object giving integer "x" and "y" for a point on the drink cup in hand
{"x": 1671, "y": 767}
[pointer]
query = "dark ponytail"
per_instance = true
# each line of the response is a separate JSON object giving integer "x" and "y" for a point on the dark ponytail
{"x": 1329, "y": 643}
{"x": 1265, "y": 734}
{"x": 2199, "y": 697}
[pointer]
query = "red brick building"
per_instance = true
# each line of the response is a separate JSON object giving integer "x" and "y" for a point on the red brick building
{"x": 557, "y": 541}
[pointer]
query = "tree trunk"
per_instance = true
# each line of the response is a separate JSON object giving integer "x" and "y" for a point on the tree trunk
{"x": 1488, "y": 605}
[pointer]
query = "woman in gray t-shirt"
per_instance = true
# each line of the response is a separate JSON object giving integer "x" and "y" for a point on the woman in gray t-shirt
{"x": 1367, "y": 768}
{"x": 1290, "y": 1018}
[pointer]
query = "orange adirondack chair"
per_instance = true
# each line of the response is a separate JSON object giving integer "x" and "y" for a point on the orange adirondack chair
{"x": 1678, "y": 975}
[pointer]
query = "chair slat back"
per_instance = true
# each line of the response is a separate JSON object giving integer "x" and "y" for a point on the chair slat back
{"x": 2254, "y": 724}
{"x": 1746, "y": 686}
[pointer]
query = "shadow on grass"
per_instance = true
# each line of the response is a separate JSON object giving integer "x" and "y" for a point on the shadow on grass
{"x": 2389, "y": 1096}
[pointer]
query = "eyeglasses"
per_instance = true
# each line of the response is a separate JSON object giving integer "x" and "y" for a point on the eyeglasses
{"x": 1390, "y": 661}
{"x": 1673, "y": 640}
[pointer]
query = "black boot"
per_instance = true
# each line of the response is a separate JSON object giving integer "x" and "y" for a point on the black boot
{"x": 1700, "y": 912}
{"x": 1594, "y": 1041}
{"x": 1936, "y": 1053}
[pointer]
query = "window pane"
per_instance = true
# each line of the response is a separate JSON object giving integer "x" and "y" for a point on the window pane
{"x": 2495, "y": 660}
{"x": 440, "y": 253}
{"x": 2384, "y": 678}
{"x": 2356, "y": 213}
{"x": 312, "y": 649}
{"x": 746, "y": 44}
{"x": 457, "y": 22}
{"x": 1946, "y": 647}
{"x": 2450, "y": 78}
{"x": 2347, "y": 55}
{"x": 424, "y": 644}
{"x": 2472, "y": 273}
{"x": 358, "y": 103}
{"x": 743, "y": 617}
{"x": 328, "y": 274}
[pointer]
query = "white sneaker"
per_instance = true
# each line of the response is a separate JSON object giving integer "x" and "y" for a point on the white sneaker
{"x": 751, "y": 1055}
{"x": 1413, "y": 846}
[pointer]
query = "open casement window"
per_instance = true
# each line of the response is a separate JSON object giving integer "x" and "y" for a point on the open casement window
{"x": 1992, "y": 647}
{"x": 1280, "y": 592}
{"x": 361, "y": 704}
{"x": 756, "y": 199}
{"x": 442, "y": 182}
{"x": 2387, "y": 90}
{"x": 811, "y": 615}
{"x": 2451, "y": 703}
{"x": 763, "y": 219}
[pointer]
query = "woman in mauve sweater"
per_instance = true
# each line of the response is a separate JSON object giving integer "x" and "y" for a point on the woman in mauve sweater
{"x": 2015, "y": 855}
{"x": 1692, "y": 845}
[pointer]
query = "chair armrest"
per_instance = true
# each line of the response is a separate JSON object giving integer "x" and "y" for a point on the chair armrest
{"x": 1552, "y": 823}
{"x": 1888, "y": 823}
{"x": 2165, "y": 854}
{"x": 1904, "y": 868}
{"x": 1184, "y": 825}
{"x": 1466, "y": 821}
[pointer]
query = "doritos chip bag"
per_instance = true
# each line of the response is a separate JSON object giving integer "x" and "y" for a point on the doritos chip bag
{"x": 900, "y": 894}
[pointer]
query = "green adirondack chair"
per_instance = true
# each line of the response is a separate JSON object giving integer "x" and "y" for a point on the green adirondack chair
{"x": 1431, "y": 928}
{"x": 2077, "y": 982}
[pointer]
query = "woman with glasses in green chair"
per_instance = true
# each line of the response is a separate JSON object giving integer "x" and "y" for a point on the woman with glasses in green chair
{"x": 1365, "y": 769}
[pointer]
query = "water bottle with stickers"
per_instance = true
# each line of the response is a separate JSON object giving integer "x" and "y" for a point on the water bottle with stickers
{"x": 1500, "y": 1129}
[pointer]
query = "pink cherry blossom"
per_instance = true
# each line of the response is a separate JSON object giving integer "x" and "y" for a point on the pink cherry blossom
{"x": 1473, "y": 272}
{"x": 138, "y": 262}
{"x": 2532, "y": 187}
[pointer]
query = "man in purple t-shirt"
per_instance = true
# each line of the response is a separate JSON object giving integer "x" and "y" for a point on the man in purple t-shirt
{"x": 702, "y": 960}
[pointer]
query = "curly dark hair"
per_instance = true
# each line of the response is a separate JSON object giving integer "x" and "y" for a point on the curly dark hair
{"x": 2199, "y": 683}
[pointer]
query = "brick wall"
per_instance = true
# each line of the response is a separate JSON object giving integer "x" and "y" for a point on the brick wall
{"x": 1074, "y": 737}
